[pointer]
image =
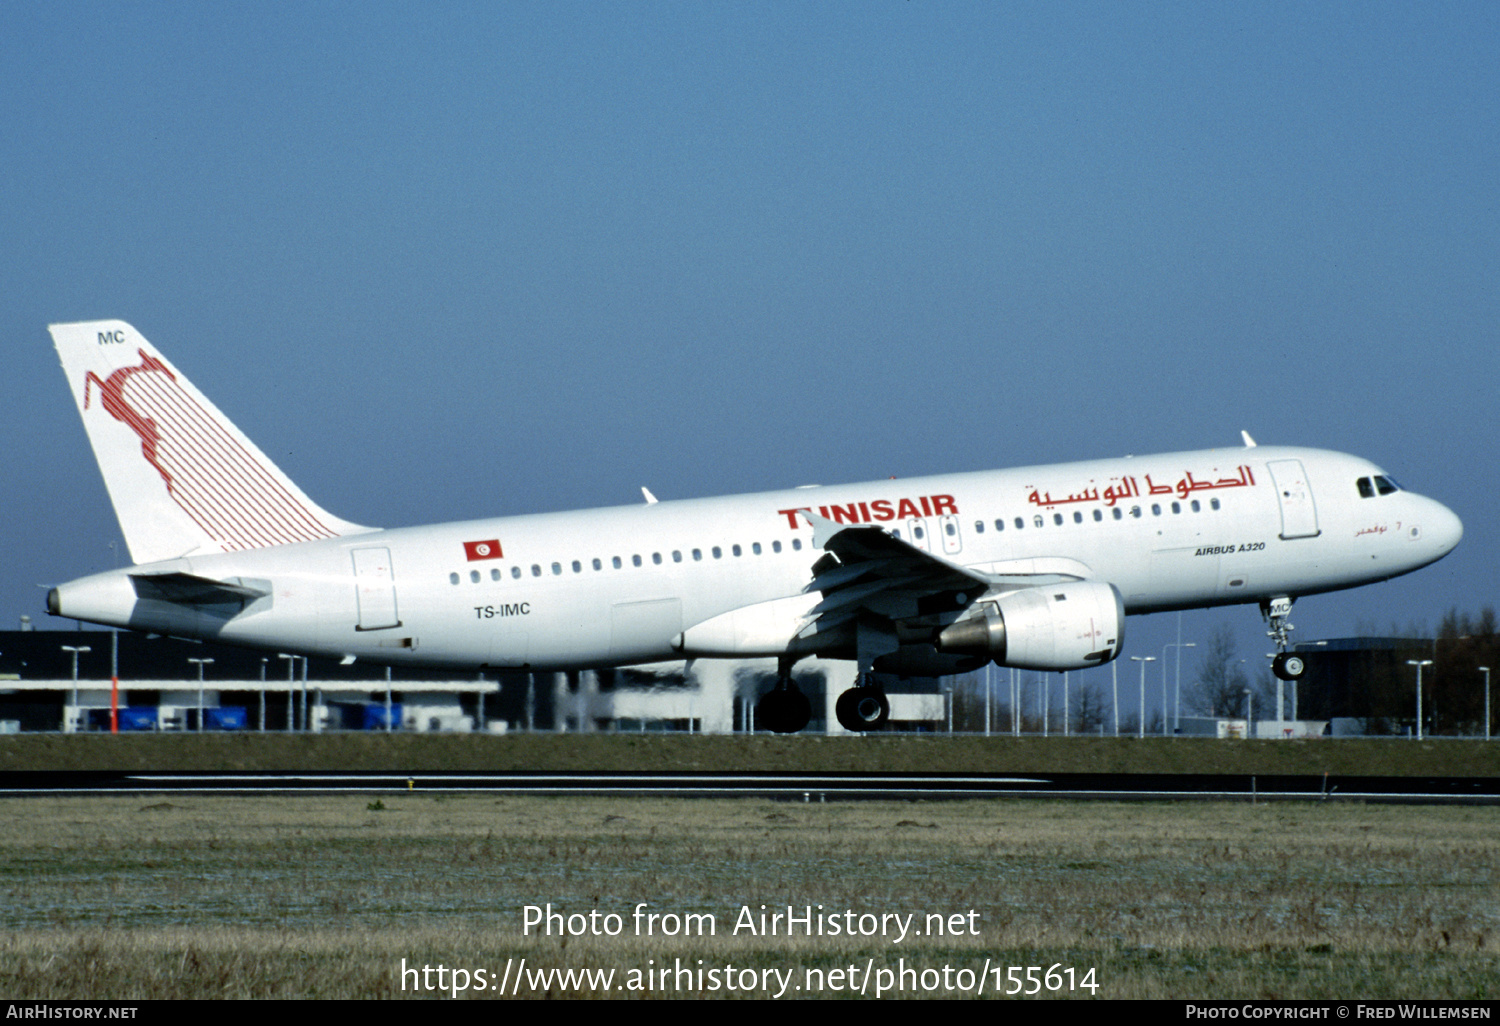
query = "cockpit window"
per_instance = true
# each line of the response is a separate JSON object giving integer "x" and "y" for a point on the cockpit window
{"x": 1366, "y": 488}
{"x": 1385, "y": 485}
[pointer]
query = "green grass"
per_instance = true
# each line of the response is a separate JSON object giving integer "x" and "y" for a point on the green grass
{"x": 418, "y": 753}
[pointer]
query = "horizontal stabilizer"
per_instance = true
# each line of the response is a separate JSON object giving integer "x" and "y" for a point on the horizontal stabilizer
{"x": 190, "y": 590}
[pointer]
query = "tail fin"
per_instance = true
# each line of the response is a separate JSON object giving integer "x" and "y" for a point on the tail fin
{"x": 182, "y": 478}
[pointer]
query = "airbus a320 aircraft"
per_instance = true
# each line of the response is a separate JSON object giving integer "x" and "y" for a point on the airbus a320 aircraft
{"x": 1034, "y": 568}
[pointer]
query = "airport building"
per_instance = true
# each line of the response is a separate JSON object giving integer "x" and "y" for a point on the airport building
{"x": 1368, "y": 686}
{"x": 65, "y": 681}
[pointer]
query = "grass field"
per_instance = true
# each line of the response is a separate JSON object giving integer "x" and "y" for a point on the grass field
{"x": 316, "y": 896}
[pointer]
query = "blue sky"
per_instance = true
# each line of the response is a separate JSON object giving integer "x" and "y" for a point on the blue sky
{"x": 456, "y": 260}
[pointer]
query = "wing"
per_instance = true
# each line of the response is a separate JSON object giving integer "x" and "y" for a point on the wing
{"x": 884, "y": 597}
{"x": 867, "y": 572}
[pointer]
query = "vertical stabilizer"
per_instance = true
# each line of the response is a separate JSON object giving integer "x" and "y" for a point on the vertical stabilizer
{"x": 182, "y": 478}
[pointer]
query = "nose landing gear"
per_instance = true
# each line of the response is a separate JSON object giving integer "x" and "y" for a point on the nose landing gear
{"x": 1277, "y": 612}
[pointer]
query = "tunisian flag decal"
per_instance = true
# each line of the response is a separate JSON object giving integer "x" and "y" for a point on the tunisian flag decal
{"x": 483, "y": 549}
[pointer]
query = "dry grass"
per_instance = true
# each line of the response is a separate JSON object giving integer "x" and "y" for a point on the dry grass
{"x": 323, "y": 897}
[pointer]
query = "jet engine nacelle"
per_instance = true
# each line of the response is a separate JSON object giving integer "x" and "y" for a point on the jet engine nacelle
{"x": 1049, "y": 627}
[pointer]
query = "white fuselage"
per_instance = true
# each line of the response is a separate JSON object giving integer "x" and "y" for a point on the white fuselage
{"x": 626, "y": 585}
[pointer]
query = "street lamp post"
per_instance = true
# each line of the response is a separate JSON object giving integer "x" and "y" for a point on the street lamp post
{"x": 1419, "y": 663}
{"x": 75, "y": 649}
{"x": 1177, "y": 690}
{"x": 1143, "y": 660}
{"x": 291, "y": 689}
{"x": 1114, "y": 673}
{"x": 1249, "y": 713}
{"x": 201, "y": 663}
{"x": 989, "y": 690}
{"x": 1486, "y": 671}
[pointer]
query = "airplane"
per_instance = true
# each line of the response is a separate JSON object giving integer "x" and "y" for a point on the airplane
{"x": 1035, "y": 567}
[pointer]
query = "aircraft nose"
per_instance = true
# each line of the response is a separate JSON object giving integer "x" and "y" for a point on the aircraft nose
{"x": 1445, "y": 527}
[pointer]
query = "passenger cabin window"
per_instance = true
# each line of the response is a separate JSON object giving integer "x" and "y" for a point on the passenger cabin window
{"x": 697, "y": 555}
{"x": 796, "y": 544}
{"x": 999, "y": 525}
{"x": 776, "y": 546}
{"x": 1038, "y": 520}
{"x": 598, "y": 565}
{"x": 515, "y": 572}
{"x": 979, "y": 527}
{"x": 495, "y": 574}
{"x": 536, "y": 570}
{"x": 1057, "y": 519}
{"x": 1078, "y": 517}
{"x": 677, "y": 555}
{"x": 656, "y": 558}
{"x": 577, "y": 567}
{"x": 1020, "y": 523}
{"x": 617, "y": 563}
{"x": 635, "y": 560}
{"x": 453, "y": 578}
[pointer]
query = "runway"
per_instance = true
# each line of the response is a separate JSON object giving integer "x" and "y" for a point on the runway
{"x": 785, "y": 786}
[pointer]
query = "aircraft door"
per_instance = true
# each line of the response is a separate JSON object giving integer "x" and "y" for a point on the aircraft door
{"x": 953, "y": 542}
{"x": 1299, "y": 516}
{"x": 375, "y": 589}
{"x": 916, "y": 533}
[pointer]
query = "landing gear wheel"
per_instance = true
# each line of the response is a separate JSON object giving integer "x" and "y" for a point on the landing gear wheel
{"x": 1289, "y": 666}
{"x": 783, "y": 710}
{"x": 863, "y": 709}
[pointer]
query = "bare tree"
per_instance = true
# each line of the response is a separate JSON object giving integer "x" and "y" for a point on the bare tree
{"x": 1089, "y": 712}
{"x": 1219, "y": 687}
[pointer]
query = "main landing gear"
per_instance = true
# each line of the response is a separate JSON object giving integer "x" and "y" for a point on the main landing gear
{"x": 863, "y": 708}
{"x": 784, "y": 709}
{"x": 1286, "y": 665}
